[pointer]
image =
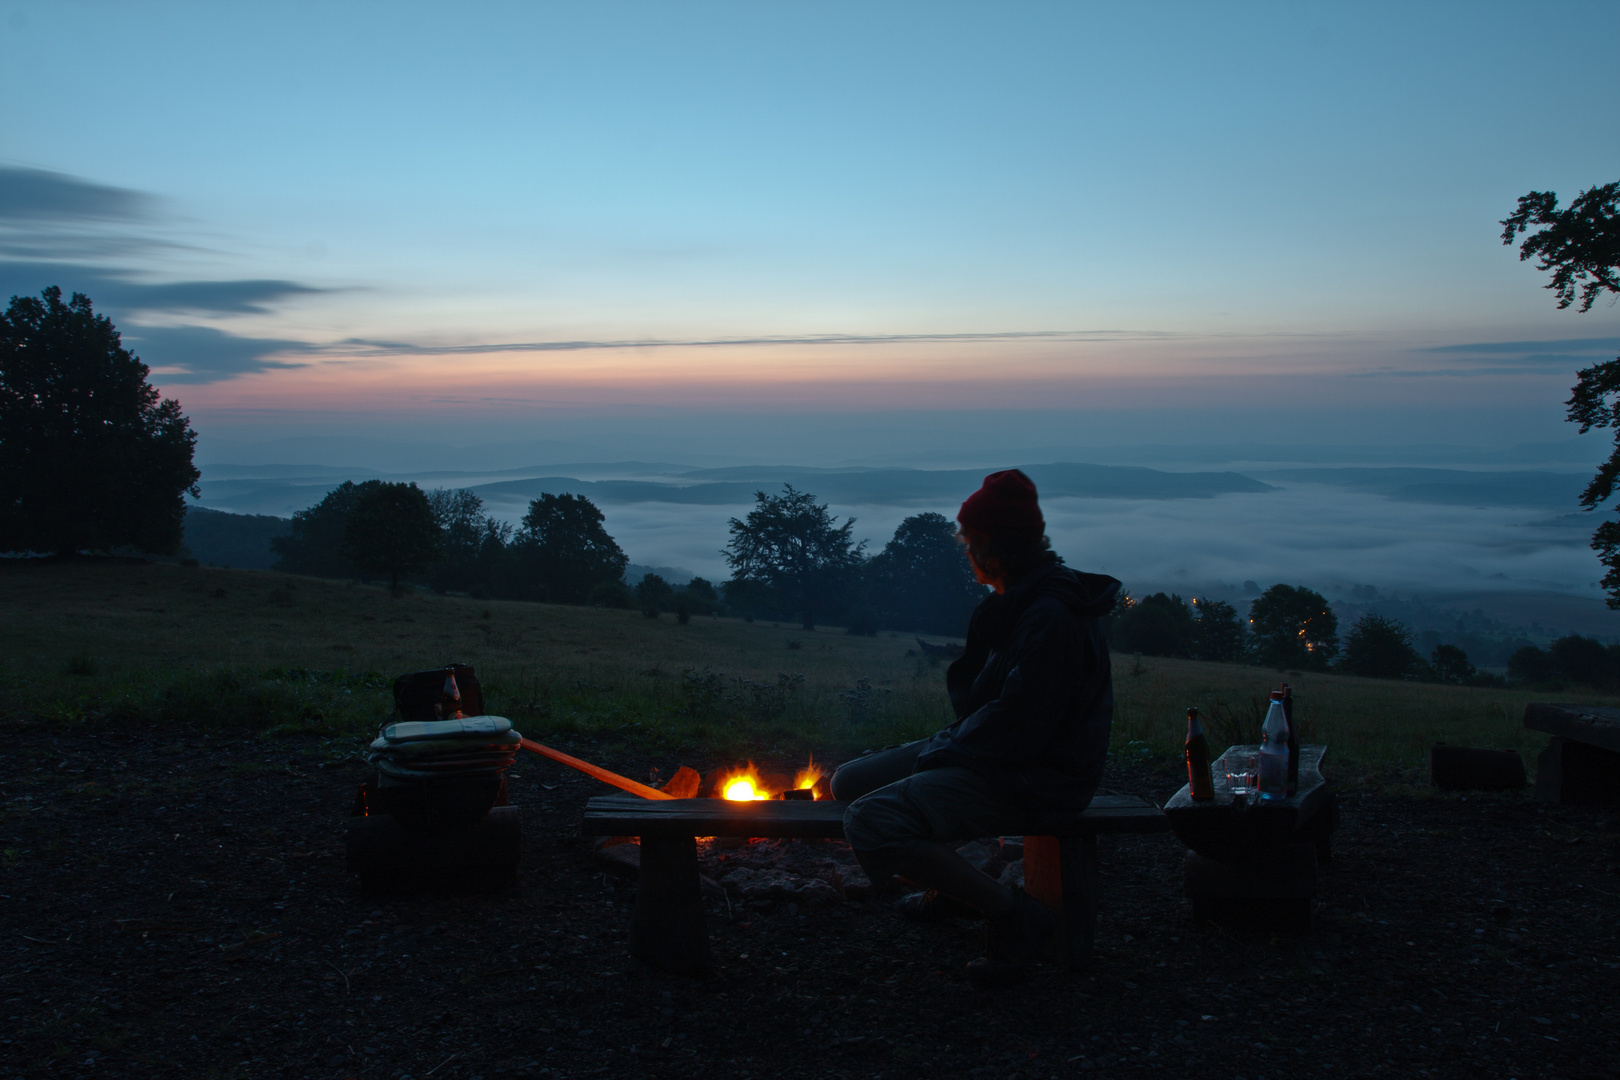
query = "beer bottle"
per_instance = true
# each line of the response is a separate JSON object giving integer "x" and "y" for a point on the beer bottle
{"x": 450, "y": 705}
{"x": 1199, "y": 780}
{"x": 1293, "y": 740}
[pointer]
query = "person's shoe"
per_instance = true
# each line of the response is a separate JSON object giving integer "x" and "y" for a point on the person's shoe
{"x": 932, "y": 905}
{"x": 1013, "y": 942}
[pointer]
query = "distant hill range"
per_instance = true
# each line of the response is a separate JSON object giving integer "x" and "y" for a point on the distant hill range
{"x": 887, "y": 487}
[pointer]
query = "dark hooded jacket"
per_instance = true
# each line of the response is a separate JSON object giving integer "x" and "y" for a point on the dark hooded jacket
{"x": 1033, "y": 691}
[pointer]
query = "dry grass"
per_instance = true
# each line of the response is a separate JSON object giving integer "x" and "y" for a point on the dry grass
{"x": 267, "y": 650}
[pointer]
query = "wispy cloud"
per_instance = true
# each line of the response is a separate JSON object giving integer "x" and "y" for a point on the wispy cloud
{"x": 61, "y": 230}
{"x": 202, "y": 354}
{"x": 406, "y": 348}
{"x": 1502, "y": 358}
{"x": 41, "y": 195}
{"x": 115, "y": 289}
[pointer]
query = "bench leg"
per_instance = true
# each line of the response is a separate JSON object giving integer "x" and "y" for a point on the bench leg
{"x": 666, "y": 929}
{"x": 1061, "y": 872}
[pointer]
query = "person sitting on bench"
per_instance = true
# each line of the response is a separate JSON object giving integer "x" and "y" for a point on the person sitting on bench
{"x": 1034, "y": 700}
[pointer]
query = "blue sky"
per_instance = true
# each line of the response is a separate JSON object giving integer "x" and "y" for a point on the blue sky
{"x": 317, "y": 218}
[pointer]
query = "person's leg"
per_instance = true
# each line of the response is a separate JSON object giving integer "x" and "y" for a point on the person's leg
{"x": 909, "y": 829}
{"x": 869, "y": 772}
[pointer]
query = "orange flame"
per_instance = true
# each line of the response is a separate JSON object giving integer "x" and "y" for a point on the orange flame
{"x": 808, "y": 776}
{"x": 743, "y": 787}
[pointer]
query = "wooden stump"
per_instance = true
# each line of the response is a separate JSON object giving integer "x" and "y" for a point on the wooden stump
{"x": 1574, "y": 773}
{"x": 388, "y": 856}
{"x": 666, "y": 928}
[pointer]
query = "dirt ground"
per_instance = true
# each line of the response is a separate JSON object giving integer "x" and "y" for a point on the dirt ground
{"x": 175, "y": 903}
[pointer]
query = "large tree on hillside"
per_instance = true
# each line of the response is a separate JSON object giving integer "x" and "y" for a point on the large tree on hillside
{"x": 796, "y": 548}
{"x": 562, "y": 550}
{"x": 1293, "y": 627}
{"x": 390, "y": 531}
{"x": 922, "y": 580}
{"x": 90, "y": 457}
{"x": 313, "y": 543}
{"x": 1580, "y": 246}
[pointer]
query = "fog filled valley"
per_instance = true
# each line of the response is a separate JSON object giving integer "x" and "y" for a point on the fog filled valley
{"x": 1486, "y": 551}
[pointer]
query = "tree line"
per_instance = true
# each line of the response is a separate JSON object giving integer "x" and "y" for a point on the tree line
{"x": 790, "y": 558}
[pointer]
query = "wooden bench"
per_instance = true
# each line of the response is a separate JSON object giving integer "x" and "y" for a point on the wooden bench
{"x": 1581, "y": 765}
{"x": 666, "y": 929}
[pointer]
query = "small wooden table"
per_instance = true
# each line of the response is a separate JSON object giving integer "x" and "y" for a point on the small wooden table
{"x": 1260, "y": 850}
{"x": 1581, "y": 765}
{"x": 666, "y": 928}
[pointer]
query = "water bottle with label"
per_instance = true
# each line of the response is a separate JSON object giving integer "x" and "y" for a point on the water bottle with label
{"x": 1274, "y": 752}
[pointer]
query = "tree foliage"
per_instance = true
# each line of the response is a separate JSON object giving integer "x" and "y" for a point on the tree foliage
{"x": 90, "y": 457}
{"x": 1449, "y": 664}
{"x": 1580, "y": 246}
{"x": 1166, "y": 625}
{"x": 390, "y": 531}
{"x": 1217, "y": 631}
{"x": 795, "y": 547}
{"x": 474, "y": 543}
{"x": 922, "y": 580}
{"x": 313, "y": 543}
{"x": 563, "y": 551}
{"x": 1293, "y": 627}
{"x": 1381, "y": 648}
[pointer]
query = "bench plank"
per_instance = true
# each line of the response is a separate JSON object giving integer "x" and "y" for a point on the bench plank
{"x": 1594, "y": 725}
{"x": 627, "y": 815}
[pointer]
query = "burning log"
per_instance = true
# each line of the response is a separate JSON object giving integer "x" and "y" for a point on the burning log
{"x": 685, "y": 784}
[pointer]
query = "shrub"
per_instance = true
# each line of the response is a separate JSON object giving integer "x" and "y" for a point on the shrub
{"x": 1380, "y": 648}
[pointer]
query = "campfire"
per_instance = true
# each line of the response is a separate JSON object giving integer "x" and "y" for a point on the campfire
{"x": 748, "y": 784}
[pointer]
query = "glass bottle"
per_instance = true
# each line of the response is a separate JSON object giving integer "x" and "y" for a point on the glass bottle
{"x": 1199, "y": 781}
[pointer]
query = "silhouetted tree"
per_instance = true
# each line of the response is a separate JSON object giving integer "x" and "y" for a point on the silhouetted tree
{"x": 1156, "y": 625}
{"x": 797, "y": 549}
{"x": 90, "y": 457}
{"x": 922, "y": 580}
{"x": 390, "y": 530}
{"x": 1451, "y": 665}
{"x": 1533, "y": 666}
{"x": 314, "y": 540}
{"x": 1583, "y": 660}
{"x": 1217, "y": 631}
{"x": 1293, "y": 627}
{"x": 1380, "y": 648}
{"x": 474, "y": 543}
{"x": 1580, "y": 245}
{"x": 563, "y": 551}
{"x": 654, "y": 595}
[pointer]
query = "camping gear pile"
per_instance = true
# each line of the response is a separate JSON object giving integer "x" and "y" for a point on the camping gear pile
{"x": 437, "y": 766}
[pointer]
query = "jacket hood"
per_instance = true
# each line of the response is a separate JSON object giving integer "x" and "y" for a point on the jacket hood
{"x": 1087, "y": 595}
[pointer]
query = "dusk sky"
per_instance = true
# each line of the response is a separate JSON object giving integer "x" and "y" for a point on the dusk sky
{"x": 1082, "y": 222}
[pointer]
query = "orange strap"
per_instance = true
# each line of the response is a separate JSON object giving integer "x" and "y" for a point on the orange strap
{"x": 607, "y": 777}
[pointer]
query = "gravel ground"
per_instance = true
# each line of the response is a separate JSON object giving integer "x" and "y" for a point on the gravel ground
{"x": 175, "y": 903}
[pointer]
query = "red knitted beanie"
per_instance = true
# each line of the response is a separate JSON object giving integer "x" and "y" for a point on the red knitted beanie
{"x": 1004, "y": 506}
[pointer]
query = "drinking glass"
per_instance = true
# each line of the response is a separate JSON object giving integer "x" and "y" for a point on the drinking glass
{"x": 1242, "y": 773}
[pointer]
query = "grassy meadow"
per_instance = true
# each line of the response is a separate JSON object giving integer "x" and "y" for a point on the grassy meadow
{"x": 270, "y": 652}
